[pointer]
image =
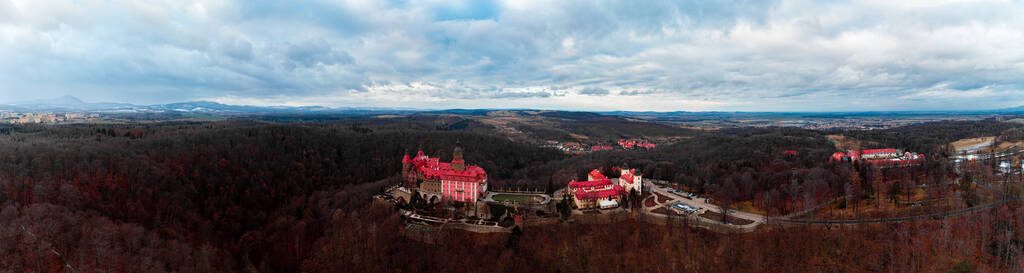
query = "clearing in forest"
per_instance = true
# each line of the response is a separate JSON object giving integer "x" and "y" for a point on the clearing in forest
{"x": 844, "y": 143}
{"x": 748, "y": 206}
{"x": 972, "y": 144}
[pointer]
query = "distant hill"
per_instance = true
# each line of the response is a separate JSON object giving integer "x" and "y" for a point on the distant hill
{"x": 74, "y": 104}
{"x": 526, "y": 125}
{"x": 1018, "y": 109}
{"x": 65, "y": 103}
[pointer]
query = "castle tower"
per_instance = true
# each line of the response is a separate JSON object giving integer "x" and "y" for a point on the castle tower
{"x": 630, "y": 180}
{"x": 458, "y": 163}
{"x": 406, "y": 165}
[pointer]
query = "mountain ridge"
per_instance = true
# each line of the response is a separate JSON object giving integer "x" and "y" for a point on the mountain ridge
{"x": 69, "y": 103}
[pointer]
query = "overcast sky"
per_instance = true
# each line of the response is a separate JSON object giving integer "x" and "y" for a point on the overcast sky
{"x": 573, "y": 55}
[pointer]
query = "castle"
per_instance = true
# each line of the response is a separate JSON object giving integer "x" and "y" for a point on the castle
{"x": 453, "y": 181}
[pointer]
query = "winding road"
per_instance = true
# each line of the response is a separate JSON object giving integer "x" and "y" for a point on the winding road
{"x": 758, "y": 219}
{"x": 1006, "y": 199}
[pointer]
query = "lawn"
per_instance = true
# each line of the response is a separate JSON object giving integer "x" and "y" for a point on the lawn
{"x": 649, "y": 202}
{"x": 662, "y": 198}
{"x": 523, "y": 198}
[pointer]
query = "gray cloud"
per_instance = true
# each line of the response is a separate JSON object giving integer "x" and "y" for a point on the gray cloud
{"x": 635, "y": 92}
{"x": 236, "y": 48}
{"x": 510, "y": 95}
{"x": 314, "y": 52}
{"x": 746, "y": 55}
{"x": 593, "y": 91}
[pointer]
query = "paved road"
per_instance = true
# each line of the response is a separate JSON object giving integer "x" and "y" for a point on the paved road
{"x": 760, "y": 219}
{"x": 701, "y": 203}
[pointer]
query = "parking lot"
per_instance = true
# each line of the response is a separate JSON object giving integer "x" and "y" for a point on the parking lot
{"x": 685, "y": 203}
{"x": 682, "y": 208}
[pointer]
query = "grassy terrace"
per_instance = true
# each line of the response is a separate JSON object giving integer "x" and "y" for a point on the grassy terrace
{"x": 514, "y": 197}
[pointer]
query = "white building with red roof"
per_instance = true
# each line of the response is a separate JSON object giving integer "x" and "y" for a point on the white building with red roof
{"x": 883, "y": 157}
{"x": 453, "y": 181}
{"x": 597, "y": 191}
{"x": 629, "y": 144}
{"x": 630, "y": 180}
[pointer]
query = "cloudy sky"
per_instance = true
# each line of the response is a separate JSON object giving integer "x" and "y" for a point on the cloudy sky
{"x": 574, "y": 55}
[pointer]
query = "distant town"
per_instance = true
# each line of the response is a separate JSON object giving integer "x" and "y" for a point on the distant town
{"x": 46, "y": 118}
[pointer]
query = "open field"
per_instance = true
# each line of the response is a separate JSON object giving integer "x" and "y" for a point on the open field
{"x": 971, "y": 144}
{"x": 1003, "y": 145}
{"x": 844, "y": 143}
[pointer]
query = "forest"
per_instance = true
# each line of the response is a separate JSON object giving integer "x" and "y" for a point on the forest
{"x": 263, "y": 196}
{"x": 222, "y": 196}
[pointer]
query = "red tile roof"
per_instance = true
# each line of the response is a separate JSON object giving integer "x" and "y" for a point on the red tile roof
{"x": 430, "y": 167}
{"x": 872, "y": 151}
{"x": 628, "y": 177}
{"x": 591, "y": 183}
{"x": 613, "y": 191}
